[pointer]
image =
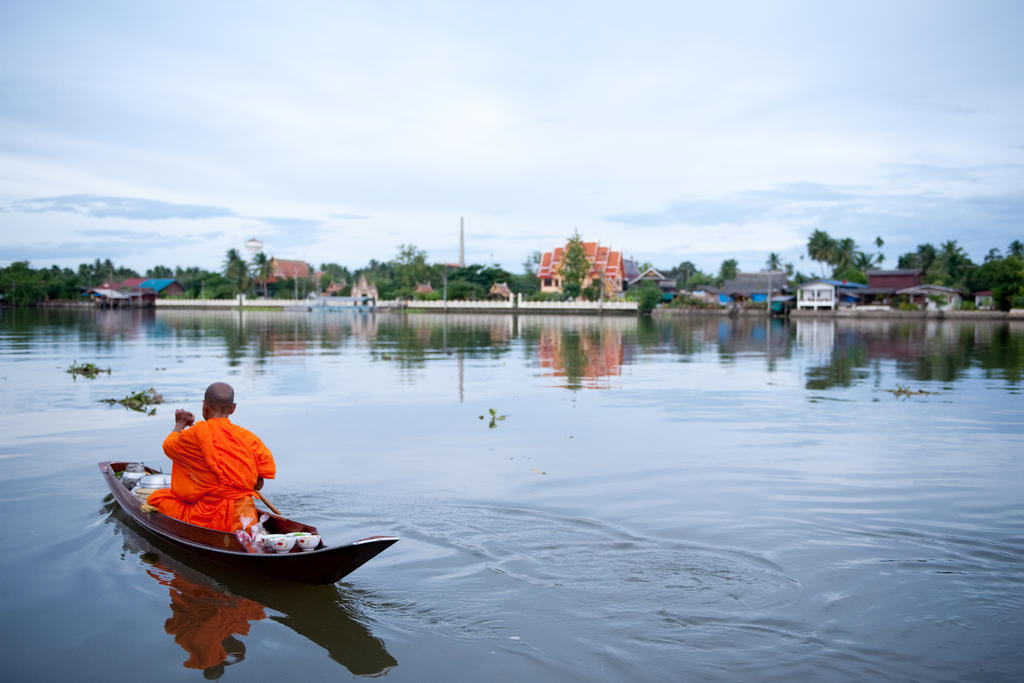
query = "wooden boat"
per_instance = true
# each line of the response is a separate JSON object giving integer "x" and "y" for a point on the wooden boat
{"x": 327, "y": 615}
{"x": 325, "y": 564}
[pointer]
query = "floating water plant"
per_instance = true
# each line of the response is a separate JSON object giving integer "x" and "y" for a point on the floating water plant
{"x": 139, "y": 401}
{"x": 902, "y": 391}
{"x": 495, "y": 418}
{"x": 89, "y": 370}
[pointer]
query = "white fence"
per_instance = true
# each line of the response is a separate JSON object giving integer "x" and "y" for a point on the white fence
{"x": 460, "y": 305}
{"x": 240, "y": 302}
{"x": 574, "y": 306}
{"x": 335, "y": 303}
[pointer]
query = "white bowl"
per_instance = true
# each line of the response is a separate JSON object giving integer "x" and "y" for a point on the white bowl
{"x": 307, "y": 541}
{"x": 279, "y": 543}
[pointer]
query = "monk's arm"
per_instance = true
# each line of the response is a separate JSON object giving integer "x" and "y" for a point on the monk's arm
{"x": 182, "y": 419}
{"x": 265, "y": 467}
{"x": 171, "y": 444}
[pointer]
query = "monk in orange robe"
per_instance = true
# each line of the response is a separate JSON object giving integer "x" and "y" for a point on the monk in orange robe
{"x": 217, "y": 467}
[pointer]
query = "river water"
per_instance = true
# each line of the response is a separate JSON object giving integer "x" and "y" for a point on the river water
{"x": 694, "y": 499}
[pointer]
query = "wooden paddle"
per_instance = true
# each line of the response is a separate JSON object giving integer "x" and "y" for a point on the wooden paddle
{"x": 268, "y": 503}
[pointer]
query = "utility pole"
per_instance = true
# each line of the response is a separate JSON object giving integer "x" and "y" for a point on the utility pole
{"x": 444, "y": 290}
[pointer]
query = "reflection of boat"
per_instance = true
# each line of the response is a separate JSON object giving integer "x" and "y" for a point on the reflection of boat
{"x": 212, "y": 604}
{"x": 326, "y": 564}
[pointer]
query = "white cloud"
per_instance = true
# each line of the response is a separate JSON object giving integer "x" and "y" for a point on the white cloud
{"x": 356, "y": 128}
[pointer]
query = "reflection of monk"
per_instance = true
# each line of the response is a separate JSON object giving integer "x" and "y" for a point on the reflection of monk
{"x": 203, "y": 620}
{"x": 217, "y": 468}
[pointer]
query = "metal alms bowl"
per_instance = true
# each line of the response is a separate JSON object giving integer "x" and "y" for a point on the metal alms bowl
{"x": 155, "y": 481}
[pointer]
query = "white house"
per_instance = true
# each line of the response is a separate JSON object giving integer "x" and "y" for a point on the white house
{"x": 817, "y": 295}
{"x": 933, "y": 297}
{"x": 827, "y": 294}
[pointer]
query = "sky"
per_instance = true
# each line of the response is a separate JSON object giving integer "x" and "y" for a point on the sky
{"x": 166, "y": 133}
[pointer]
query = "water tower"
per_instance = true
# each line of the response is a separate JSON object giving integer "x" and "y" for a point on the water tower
{"x": 253, "y": 246}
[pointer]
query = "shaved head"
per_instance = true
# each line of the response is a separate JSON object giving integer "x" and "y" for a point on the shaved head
{"x": 220, "y": 395}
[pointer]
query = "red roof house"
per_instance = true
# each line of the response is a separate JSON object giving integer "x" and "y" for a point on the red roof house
{"x": 283, "y": 269}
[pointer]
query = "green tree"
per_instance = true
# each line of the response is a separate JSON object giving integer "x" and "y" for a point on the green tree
{"x": 528, "y": 282}
{"x": 728, "y": 270}
{"x": 1016, "y": 248}
{"x": 774, "y": 262}
{"x": 1004, "y": 277}
{"x": 950, "y": 265}
{"x": 851, "y": 274}
{"x": 261, "y": 270}
{"x": 465, "y": 289}
{"x": 159, "y": 271}
{"x": 650, "y": 296}
{"x": 334, "y": 273}
{"x": 864, "y": 262}
{"x": 843, "y": 255}
{"x": 236, "y": 271}
{"x": 922, "y": 258}
{"x": 21, "y": 284}
{"x": 478, "y": 281}
{"x": 821, "y": 248}
{"x": 683, "y": 273}
{"x": 410, "y": 268}
{"x": 575, "y": 266}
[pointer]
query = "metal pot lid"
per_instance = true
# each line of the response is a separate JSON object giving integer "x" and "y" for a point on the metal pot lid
{"x": 155, "y": 481}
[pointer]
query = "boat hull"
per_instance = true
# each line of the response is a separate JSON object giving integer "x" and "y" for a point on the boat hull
{"x": 326, "y": 564}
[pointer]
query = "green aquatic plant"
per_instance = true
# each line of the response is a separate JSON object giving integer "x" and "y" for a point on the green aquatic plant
{"x": 89, "y": 370}
{"x": 495, "y": 418}
{"x": 139, "y": 401}
{"x": 902, "y": 391}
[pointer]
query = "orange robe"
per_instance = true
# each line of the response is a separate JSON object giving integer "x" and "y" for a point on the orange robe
{"x": 202, "y": 618}
{"x": 215, "y": 467}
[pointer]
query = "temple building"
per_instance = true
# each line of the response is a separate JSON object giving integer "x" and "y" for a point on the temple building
{"x": 604, "y": 264}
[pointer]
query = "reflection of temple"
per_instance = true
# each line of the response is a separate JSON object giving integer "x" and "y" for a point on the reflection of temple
{"x": 580, "y": 356}
{"x": 204, "y": 621}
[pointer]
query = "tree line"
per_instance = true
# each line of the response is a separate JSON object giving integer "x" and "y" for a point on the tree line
{"x": 21, "y": 284}
{"x": 837, "y": 258}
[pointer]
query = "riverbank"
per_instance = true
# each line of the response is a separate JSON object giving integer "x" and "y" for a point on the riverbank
{"x": 805, "y": 314}
{"x": 556, "y": 308}
{"x": 1017, "y": 313}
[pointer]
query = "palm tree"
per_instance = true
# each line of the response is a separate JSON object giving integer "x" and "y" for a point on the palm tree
{"x": 774, "y": 262}
{"x": 1016, "y": 248}
{"x": 820, "y": 247}
{"x": 235, "y": 270}
{"x": 864, "y": 262}
{"x": 922, "y": 258}
{"x": 951, "y": 263}
{"x": 262, "y": 270}
{"x": 844, "y": 254}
